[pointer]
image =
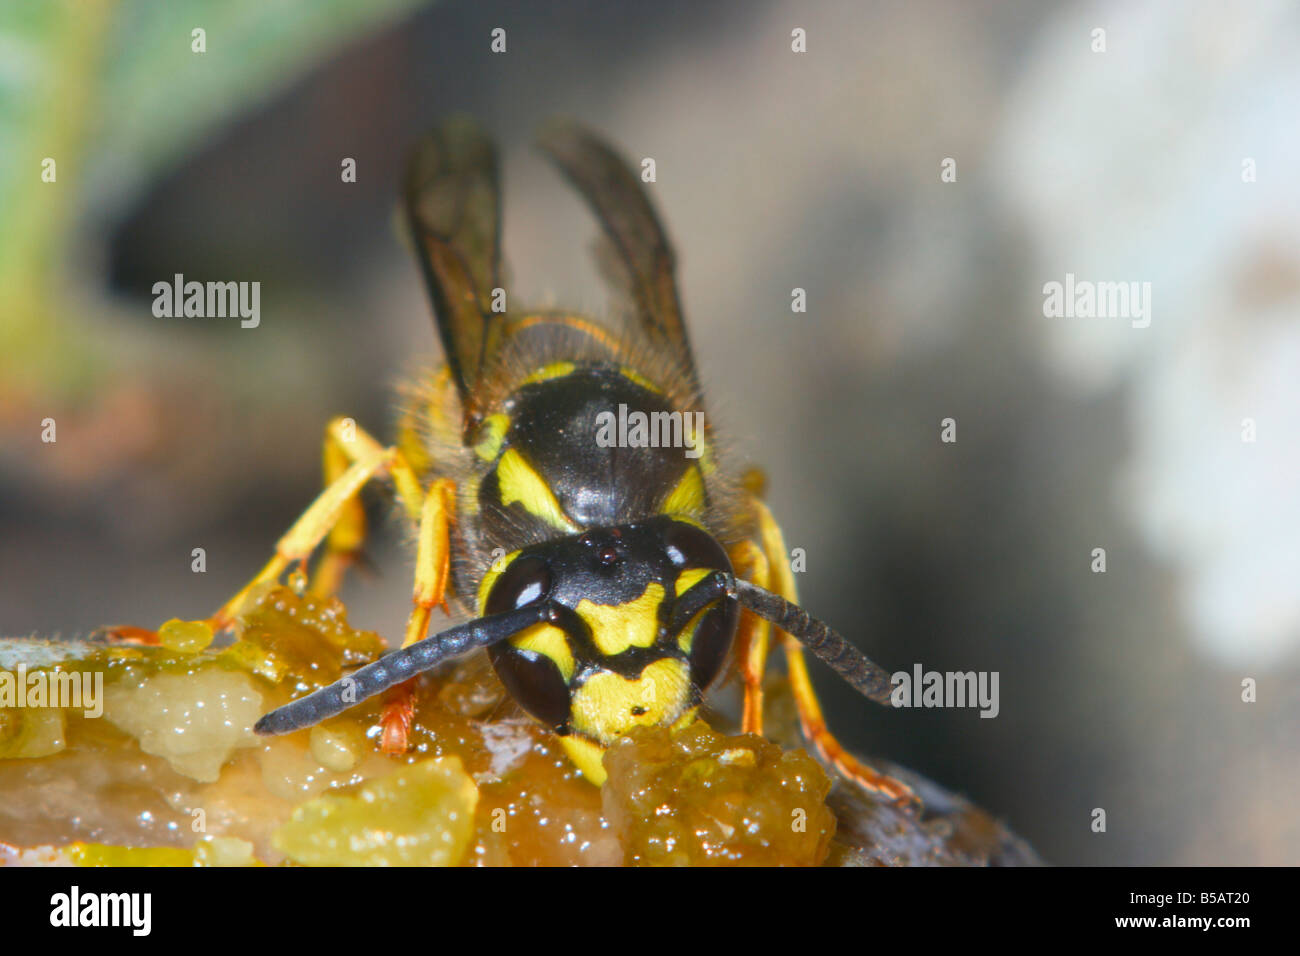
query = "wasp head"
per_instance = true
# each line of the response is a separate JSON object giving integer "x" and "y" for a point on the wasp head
{"x": 621, "y": 649}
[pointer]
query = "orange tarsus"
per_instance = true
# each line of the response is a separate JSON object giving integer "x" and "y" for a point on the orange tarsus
{"x": 899, "y": 793}
{"x": 396, "y": 719}
{"x": 132, "y": 635}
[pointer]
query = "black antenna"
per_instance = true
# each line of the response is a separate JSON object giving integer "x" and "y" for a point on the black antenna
{"x": 826, "y": 644}
{"x": 399, "y": 666}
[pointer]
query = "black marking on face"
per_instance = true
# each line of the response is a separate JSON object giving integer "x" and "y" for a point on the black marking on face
{"x": 609, "y": 567}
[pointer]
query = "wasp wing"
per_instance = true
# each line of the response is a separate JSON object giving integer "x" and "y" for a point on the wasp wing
{"x": 453, "y": 208}
{"x": 613, "y": 191}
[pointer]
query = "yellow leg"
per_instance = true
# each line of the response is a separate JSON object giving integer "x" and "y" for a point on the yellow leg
{"x": 346, "y": 538}
{"x": 805, "y": 695}
{"x": 351, "y": 459}
{"x": 338, "y": 502}
{"x": 432, "y": 559}
{"x": 753, "y": 635}
{"x": 432, "y": 569}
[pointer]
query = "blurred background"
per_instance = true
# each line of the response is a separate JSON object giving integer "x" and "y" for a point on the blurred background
{"x": 1169, "y": 157}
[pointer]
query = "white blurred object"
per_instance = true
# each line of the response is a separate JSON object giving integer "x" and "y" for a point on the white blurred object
{"x": 1127, "y": 166}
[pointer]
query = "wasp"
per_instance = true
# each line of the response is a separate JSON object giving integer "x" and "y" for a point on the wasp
{"x": 567, "y": 490}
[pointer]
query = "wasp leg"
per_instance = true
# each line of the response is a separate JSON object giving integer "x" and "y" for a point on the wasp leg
{"x": 805, "y": 696}
{"x": 125, "y": 634}
{"x": 343, "y": 545}
{"x": 351, "y": 459}
{"x": 337, "y": 502}
{"x": 432, "y": 569}
{"x": 753, "y": 634}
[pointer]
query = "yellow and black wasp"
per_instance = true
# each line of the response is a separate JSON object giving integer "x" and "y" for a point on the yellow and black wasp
{"x": 611, "y": 574}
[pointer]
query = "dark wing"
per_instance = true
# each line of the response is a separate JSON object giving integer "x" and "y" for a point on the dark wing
{"x": 453, "y": 206}
{"x": 613, "y": 190}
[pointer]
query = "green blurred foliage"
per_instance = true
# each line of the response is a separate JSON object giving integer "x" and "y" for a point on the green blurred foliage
{"x": 115, "y": 94}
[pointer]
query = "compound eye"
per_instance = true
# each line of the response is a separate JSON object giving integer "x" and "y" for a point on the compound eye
{"x": 533, "y": 681}
{"x": 689, "y": 547}
{"x": 526, "y": 581}
{"x": 711, "y": 642}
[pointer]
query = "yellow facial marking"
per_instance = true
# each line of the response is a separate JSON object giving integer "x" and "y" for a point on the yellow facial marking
{"x": 548, "y": 372}
{"x": 689, "y": 578}
{"x": 686, "y": 718}
{"x": 685, "y": 581}
{"x": 490, "y": 578}
{"x": 549, "y": 641}
{"x": 616, "y": 627}
{"x": 519, "y": 482}
{"x": 640, "y": 379}
{"x": 688, "y": 497}
{"x": 608, "y": 705}
{"x": 492, "y": 433}
{"x": 587, "y": 755}
{"x": 686, "y": 638}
